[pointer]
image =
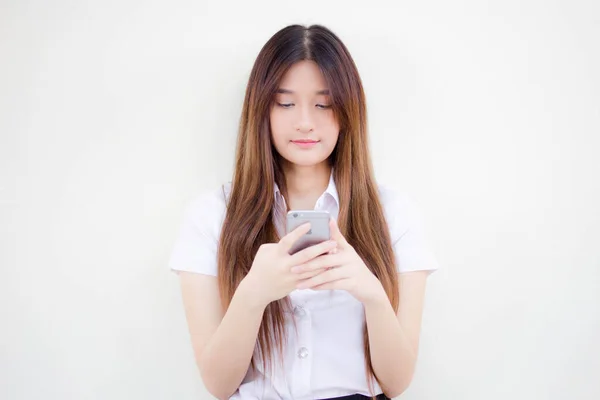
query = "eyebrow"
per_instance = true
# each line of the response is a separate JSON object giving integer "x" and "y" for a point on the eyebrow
{"x": 281, "y": 90}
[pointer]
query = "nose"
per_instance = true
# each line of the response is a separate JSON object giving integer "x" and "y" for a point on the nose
{"x": 304, "y": 123}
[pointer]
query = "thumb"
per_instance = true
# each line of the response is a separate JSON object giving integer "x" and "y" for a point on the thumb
{"x": 336, "y": 234}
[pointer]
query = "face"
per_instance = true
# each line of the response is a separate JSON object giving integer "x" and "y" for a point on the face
{"x": 304, "y": 129}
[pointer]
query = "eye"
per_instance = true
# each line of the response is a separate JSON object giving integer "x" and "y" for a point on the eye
{"x": 289, "y": 105}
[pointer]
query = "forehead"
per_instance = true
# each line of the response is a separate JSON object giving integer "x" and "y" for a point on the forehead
{"x": 304, "y": 77}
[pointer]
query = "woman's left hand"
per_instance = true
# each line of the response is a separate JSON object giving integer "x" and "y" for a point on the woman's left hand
{"x": 345, "y": 270}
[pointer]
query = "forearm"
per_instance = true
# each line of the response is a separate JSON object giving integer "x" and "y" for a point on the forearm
{"x": 226, "y": 357}
{"x": 392, "y": 355}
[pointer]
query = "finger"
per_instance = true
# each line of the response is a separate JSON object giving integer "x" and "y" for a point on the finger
{"x": 324, "y": 261}
{"x": 312, "y": 251}
{"x": 340, "y": 284}
{"x": 309, "y": 274}
{"x": 288, "y": 240}
{"x": 336, "y": 234}
{"x": 324, "y": 277}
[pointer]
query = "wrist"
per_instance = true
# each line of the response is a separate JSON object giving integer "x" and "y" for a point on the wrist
{"x": 378, "y": 297}
{"x": 251, "y": 295}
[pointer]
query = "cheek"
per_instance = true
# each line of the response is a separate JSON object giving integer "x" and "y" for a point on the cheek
{"x": 278, "y": 126}
{"x": 332, "y": 142}
{"x": 331, "y": 130}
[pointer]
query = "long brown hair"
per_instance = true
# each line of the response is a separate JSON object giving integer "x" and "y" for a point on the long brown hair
{"x": 249, "y": 218}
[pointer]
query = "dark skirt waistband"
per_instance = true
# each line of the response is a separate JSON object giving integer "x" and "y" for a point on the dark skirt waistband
{"x": 359, "y": 397}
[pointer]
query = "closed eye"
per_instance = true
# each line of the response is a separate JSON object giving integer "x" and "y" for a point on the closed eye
{"x": 289, "y": 105}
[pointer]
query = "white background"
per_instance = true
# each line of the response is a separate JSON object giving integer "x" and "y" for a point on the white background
{"x": 114, "y": 114}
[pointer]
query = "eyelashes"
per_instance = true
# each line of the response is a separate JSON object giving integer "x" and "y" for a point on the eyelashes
{"x": 289, "y": 105}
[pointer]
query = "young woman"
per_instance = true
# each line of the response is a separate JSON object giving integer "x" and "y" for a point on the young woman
{"x": 340, "y": 319}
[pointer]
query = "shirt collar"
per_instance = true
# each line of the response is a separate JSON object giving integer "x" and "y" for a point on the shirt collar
{"x": 331, "y": 189}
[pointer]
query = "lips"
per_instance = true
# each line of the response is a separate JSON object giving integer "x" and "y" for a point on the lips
{"x": 306, "y": 144}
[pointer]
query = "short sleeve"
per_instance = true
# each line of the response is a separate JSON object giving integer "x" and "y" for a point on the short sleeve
{"x": 196, "y": 244}
{"x": 410, "y": 243}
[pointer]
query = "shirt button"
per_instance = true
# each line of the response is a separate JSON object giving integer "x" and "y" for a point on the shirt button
{"x": 302, "y": 352}
{"x": 299, "y": 311}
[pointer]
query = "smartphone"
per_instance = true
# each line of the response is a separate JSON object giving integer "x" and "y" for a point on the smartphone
{"x": 319, "y": 227}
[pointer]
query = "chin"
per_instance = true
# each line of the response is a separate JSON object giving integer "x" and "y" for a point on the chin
{"x": 305, "y": 161}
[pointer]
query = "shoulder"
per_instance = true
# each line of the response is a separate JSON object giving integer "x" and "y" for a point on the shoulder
{"x": 399, "y": 208}
{"x": 213, "y": 197}
{"x": 195, "y": 248}
{"x": 206, "y": 209}
{"x": 407, "y": 231}
{"x": 392, "y": 196}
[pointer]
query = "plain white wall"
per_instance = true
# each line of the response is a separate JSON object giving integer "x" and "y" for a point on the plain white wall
{"x": 114, "y": 114}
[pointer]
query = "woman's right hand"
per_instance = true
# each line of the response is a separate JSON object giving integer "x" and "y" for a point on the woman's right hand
{"x": 270, "y": 278}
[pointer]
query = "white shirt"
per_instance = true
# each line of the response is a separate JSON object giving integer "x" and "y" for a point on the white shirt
{"x": 326, "y": 357}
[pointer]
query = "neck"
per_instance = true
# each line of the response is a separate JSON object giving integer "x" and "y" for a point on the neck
{"x": 306, "y": 183}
